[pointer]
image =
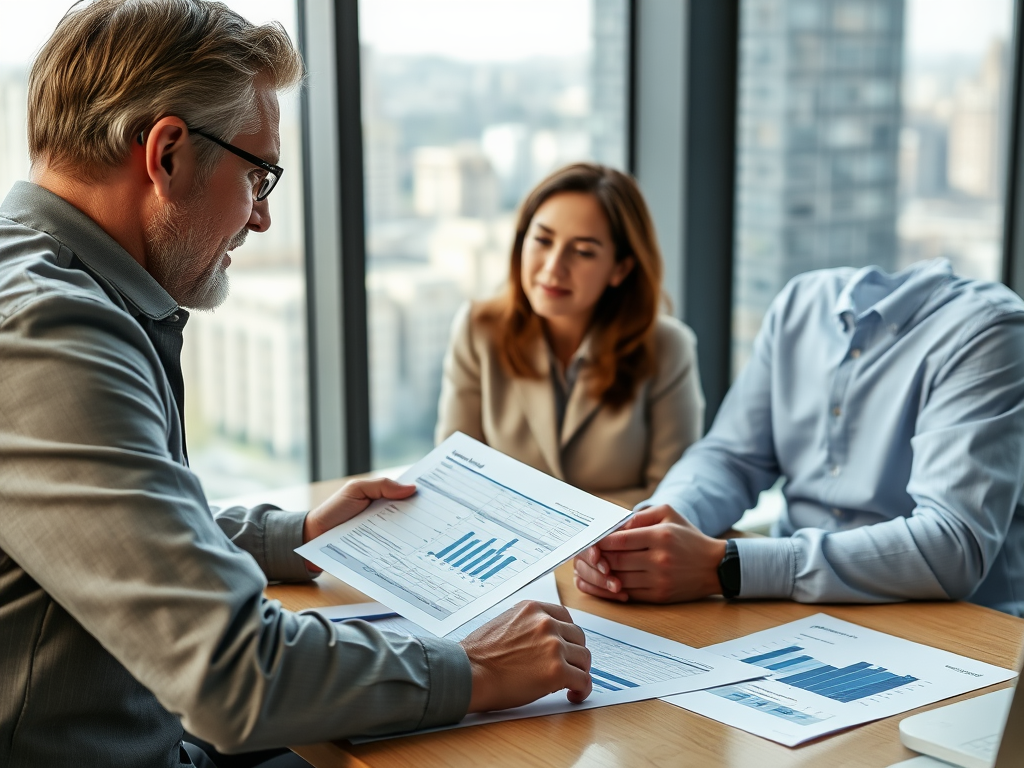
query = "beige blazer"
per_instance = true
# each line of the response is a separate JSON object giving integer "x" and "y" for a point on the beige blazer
{"x": 619, "y": 455}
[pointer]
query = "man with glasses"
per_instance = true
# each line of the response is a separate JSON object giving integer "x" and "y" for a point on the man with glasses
{"x": 128, "y": 610}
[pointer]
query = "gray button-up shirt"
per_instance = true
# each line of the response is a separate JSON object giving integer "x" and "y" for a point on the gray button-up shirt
{"x": 126, "y": 608}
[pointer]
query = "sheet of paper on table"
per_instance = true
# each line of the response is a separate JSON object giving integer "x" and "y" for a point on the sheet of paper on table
{"x": 480, "y": 527}
{"x": 826, "y": 675}
{"x": 626, "y": 665}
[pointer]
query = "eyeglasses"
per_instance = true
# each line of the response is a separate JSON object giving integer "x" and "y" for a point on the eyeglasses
{"x": 267, "y": 183}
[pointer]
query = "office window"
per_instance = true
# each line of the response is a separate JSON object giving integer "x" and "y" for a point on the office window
{"x": 244, "y": 365}
{"x": 466, "y": 105}
{"x": 869, "y": 132}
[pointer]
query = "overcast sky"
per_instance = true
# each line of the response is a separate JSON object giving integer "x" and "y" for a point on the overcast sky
{"x": 506, "y": 30}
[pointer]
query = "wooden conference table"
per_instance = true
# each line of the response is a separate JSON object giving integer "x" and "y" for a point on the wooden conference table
{"x": 653, "y": 733}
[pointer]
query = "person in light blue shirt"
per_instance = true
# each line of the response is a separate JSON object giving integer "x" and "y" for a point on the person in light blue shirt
{"x": 893, "y": 407}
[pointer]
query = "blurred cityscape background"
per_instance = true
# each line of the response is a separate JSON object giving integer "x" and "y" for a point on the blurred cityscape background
{"x": 870, "y": 132}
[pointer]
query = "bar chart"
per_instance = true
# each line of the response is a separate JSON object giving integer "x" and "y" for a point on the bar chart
{"x": 854, "y": 681}
{"x": 472, "y": 534}
{"x": 823, "y": 674}
{"x": 469, "y": 555}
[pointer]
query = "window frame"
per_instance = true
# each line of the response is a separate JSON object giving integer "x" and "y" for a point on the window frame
{"x": 681, "y": 146}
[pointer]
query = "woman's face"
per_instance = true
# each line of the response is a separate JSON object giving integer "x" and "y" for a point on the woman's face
{"x": 569, "y": 259}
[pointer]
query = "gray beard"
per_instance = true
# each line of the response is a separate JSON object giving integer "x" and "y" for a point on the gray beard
{"x": 179, "y": 257}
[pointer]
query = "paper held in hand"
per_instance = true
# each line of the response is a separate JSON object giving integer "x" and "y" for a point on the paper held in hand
{"x": 480, "y": 526}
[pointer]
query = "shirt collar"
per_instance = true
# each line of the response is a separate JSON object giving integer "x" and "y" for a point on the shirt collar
{"x": 893, "y": 297}
{"x": 576, "y": 362}
{"x": 42, "y": 210}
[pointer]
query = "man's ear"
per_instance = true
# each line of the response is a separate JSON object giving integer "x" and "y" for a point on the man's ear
{"x": 621, "y": 271}
{"x": 170, "y": 158}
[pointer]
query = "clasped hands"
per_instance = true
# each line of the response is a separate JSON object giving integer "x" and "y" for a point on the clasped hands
{"x": 527, "y": 652}
{"x": 658, "y": 556}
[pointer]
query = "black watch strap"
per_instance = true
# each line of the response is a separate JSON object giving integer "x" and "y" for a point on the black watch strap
{"x": 729, "y": 570}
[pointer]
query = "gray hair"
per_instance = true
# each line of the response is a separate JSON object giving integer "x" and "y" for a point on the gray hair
{"x": 112, "y": 68}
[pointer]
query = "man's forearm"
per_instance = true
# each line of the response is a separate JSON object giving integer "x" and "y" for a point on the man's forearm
{"x": 873, "y": 564}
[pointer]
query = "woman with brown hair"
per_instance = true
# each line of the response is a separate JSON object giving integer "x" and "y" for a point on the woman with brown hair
{"x": 572, "y": 369}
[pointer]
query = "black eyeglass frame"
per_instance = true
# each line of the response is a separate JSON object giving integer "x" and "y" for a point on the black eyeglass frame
{"x": 273, "y": 171}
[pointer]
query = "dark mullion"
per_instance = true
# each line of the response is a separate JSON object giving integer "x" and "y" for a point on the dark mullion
{"x": 712, "y": 50}
{"x": 1013, "y": 226}
{"x": 313, "y": 447}
{"x": 353, "y": 239}
{"x": 632, "y": 36}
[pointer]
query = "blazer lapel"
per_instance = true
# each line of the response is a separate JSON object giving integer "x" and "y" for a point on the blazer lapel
{"x": 581, "y": 406}
{"x": 538, "y": 403}
{"x": 579, "y": 410}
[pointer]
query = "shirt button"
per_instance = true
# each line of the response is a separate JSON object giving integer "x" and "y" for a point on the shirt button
{"x": 854, "y": 353}
{"x": 837, "y": 512}
{"x": 834, "y": 471}
{"x": 173, "y": 318}
{"x": 894, "y": 327}
{"x": 837, "y": 411}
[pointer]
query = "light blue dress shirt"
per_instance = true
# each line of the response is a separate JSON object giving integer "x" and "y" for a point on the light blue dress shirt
{"x": 893, "y": 406}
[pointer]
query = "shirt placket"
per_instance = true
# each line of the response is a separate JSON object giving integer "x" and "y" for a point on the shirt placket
{"x": 837, "y": 433}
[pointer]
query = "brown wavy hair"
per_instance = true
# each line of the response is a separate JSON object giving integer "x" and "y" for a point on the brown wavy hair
{"x": 624, "y": 319}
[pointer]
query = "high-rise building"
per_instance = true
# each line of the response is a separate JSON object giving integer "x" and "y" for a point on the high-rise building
{"x": 13, "y": 129}
{"x": 609, "y": 86}
{"x": 818, "y": 136}
{"x": 977, "y": 128}
{"x": 454, "y": 181}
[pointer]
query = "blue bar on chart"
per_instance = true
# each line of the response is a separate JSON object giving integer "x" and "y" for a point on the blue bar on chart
{"x": 610, "y": 681}
{"x": 772, "y": 655}
{"x": 452, "y": 546}
{"x": 880, "y": 686}
{"x": 474, "y": 553}
{"x": 460, "y": 552}
{"x": 789, "y": 663}
{"x": 856, "y": 681}
{"x": 495, "y": 569}
{"x": 495, "y": 558}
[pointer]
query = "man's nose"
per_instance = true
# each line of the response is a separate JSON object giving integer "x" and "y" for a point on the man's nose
{"x": 259, "y": 219}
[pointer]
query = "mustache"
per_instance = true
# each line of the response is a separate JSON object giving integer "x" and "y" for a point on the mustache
{"x": 238, "y": 240}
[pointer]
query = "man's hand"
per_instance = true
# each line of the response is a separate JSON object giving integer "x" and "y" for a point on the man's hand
{"x": 658, "y": 556}
{"x": 353, "y": 498}
{"x": 527, "y": 652}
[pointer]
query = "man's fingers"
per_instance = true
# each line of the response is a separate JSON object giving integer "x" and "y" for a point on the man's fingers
{"x": 392, "y": 489}
{"x": 633, "y": 580}
{"x": 590, "y": 589}
{"x": 578, "y": 655}
{"x": 378, "y": 488}
{"x": 633, "y": 560}
{"x": 591, "y": 555}
{"x": 648, "y": 517}
{"x": 588, "y": 573}
{"x": 573, "y": 633}
{"x": 578, "y": 682}
{"x": 556, "y": 611}
{"x": 633, "y": 539}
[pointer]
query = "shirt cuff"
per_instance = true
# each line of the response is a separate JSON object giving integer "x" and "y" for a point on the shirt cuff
{"x": 282, "y": 533}
{"x": 767, "y": 567}
{"x": 451, "y": 682}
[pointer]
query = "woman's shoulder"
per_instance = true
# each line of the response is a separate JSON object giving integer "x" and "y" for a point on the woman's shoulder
{"x": 674, "y": 337}
{"x": 473, "y": 325}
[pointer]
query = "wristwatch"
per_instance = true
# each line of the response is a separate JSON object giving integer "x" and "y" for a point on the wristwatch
{"x": 729, "y": 570}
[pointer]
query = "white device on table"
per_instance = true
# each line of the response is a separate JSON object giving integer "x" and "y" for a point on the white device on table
{"x": 983, "y": 732}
